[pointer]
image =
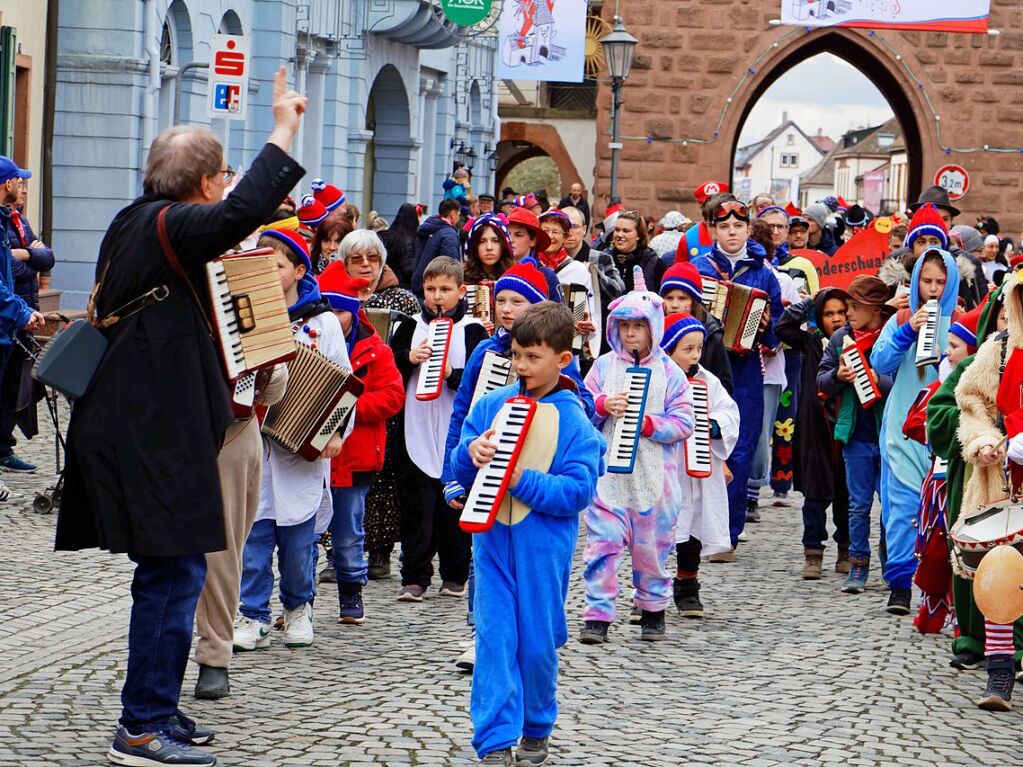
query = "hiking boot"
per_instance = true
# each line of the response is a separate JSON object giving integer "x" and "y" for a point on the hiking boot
{"x": 686, "y": 593}
{"x": 843, "y": 565}
{"x": 379, "y": 566}
{"x": 1000, "y": 680}
{"x": 856, "y": 581}
{"x": 653, "y": 629}
{"x": 966, "y": 661}
{"x": 453, "y": 589}
{"x": 531, "y": 752}
{"x": 349, "y": 598}
{"x": 722, "y": 557}
{"x": 502, "y": 758}
{"x": 899, "y": 601}
{"x": 594, "y": 632}
{"x": 213, "y": 683}
{"x": 635, "y": 616}
{"x": 813, "y": 561}
{"x": 411, "y": 593}
{"x": 250, "y": 634}
{"x": 752, "y": 512}
{"x": 158, "y": 746}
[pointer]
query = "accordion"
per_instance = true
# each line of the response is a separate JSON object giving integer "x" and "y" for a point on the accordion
{"x": 744, "y": 310}
{"x": 697, "y": 447}
{"x": 864, "y": 383}
{"x": 491, "y": 485}
{"x": 927, "y": 351}
{"x": 621, "y": 455}
{"x": 479, "y": 301}
{"x": 715, "y": 296}
{"x": 384, "y": 322}
{"x": 250, "y": 316}
{"x": 319, "y": 399}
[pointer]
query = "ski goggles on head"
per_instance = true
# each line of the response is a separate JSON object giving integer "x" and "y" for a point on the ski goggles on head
{"x": 727, "y": 210}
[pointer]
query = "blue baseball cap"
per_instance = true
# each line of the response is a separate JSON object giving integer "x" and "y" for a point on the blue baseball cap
{"x": 9, "y": 170}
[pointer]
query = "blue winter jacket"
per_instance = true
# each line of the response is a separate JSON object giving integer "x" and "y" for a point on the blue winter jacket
{"x": 500, "y": 342}
{"x": 753, "y": 271}
{"x": 14, "y": 312}
{"x": 39, "y": 260}
{"x": 434, "y": 237}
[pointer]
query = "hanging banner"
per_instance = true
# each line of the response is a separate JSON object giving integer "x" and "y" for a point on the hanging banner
{"x": 542, "y": 40}
{"x": 930, "y": 16}
{"x": 465, "y": 13}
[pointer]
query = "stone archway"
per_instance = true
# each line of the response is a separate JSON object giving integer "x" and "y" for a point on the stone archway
{"x": 689, "y": 61}
{"x": 389, "y": 152}
{"x": 544, "y": 140}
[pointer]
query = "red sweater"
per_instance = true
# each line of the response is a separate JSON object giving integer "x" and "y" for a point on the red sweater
{"x": 383, "y": 397}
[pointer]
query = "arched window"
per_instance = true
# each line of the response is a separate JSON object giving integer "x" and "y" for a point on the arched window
{"x": 166, "y": 44}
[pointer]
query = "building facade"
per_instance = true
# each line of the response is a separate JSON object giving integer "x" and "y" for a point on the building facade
{"x": 22, "y": 77}
{"x": 774, "y": 164}
{"x": 394, "y": 91}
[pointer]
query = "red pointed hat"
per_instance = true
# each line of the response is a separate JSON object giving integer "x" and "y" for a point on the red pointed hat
{"x": 927, "y": 220}
{"x": 327, "y": 195}
{"x": 340, "y": 288}
{"x": 526, "y": 280}
{"x": 708, "y": 189}
{"x": 312, "y": 213}
{"x": 966, "y": 327}
{"x": 529, "y": 220}
{"x": 792, "y": 210}
{"x": 685, "y": 277}
{"x": 293, "y": 240}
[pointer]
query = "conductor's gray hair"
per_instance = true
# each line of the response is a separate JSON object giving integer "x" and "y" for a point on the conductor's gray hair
{"x": 179, "y": 158}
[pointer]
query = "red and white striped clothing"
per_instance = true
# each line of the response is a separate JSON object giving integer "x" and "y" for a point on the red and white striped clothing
{"x": 997, "y": 638}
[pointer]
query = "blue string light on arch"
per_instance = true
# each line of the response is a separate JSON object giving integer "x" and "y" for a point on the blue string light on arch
{"x": 751, "y": 71}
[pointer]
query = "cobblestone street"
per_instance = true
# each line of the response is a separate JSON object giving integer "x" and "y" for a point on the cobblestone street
{"x": 781, "y": 672}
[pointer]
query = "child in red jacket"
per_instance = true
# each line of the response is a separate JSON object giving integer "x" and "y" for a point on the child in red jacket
{"x": 353, "y": 471}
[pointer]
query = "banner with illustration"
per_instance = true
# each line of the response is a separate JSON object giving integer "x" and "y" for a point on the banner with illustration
{"x": 925, "y": 15}
{"x": 542, "y": 40}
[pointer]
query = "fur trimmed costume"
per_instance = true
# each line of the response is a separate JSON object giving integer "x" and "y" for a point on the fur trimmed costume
{"x": 637, "y": 510}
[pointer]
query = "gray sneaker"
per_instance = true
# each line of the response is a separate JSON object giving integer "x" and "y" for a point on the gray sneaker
{"x": 531, "y": 752}
{"x": 411, "y": 593}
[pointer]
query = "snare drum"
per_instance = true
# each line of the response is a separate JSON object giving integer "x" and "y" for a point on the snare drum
{"x": 973, "y": 537}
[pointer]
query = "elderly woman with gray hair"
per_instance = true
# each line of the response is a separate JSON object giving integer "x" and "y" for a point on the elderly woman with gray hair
{"x": 364, "y": 255}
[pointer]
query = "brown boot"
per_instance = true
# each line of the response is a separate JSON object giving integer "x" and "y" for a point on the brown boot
{"x": 842, "y": 564}
{"x": 812, "y": 565}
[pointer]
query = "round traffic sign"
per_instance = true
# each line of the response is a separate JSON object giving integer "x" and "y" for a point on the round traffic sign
{"x": 953, "y": 179}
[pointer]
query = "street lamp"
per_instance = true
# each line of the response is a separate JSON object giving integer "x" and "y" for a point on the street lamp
{"x": 470, "y": 157}
{"x": 619, "y": 47}
{"x": 492, "y": 160}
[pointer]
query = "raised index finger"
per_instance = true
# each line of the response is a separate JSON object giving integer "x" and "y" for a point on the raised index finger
{"x": 280, "y": 83}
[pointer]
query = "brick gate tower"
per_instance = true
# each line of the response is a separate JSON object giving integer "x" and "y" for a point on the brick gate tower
{"x": 700, "y": 68}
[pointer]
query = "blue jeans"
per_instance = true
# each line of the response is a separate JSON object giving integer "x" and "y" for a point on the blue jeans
{"x": 347, "y": 535}
{"x": 164, "y": 593}
{"x": 863, "y": 478}
{"x": 760, "y": 471}
{"x": 294, "y": 559}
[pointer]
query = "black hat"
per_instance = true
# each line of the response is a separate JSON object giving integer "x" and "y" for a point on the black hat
{"x": 938, "y": 197}
{"x": 508, "y": 192}
{"x": 858, "y": 216}
{"x": 797, "y": 221}
{"x": 486, "y": 196}
{"x": 988, "y": 225}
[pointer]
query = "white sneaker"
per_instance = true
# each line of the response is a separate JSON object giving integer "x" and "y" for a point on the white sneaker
{"x": 467, "y": 660}
{"x": 298, "y": 626}
{"x": 250, "y": 634}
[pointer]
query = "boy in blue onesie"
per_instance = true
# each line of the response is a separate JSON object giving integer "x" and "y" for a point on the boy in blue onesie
{"x": 524, "y": 562}
{"x": 736, "y": 258}
{"x": 522, "y": 286}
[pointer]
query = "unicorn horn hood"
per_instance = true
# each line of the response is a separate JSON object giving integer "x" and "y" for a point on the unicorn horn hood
{"x": 639, "y": 304}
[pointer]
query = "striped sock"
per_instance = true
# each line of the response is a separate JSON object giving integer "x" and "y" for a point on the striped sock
{"x": 752, "y": 493}
{"x": 998, "y": 638}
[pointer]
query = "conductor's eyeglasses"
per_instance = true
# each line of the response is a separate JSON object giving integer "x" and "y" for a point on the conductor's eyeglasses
{"x": 228, "y": 174}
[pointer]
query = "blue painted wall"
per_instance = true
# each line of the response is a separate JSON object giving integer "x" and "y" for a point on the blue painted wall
{"x": 109, "y": 103}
